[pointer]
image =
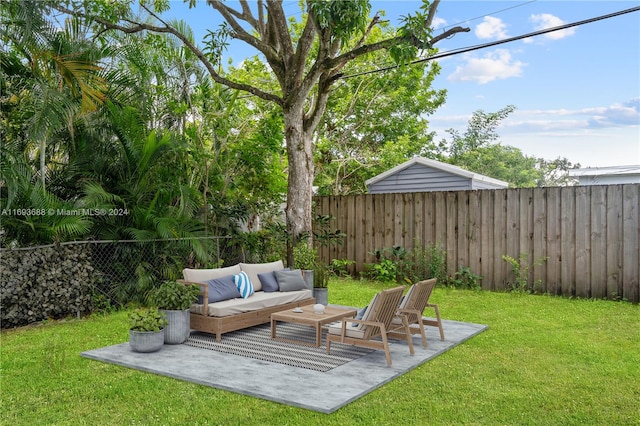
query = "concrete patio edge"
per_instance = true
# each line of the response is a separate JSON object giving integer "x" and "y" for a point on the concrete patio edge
{"x": 323, "y": 392}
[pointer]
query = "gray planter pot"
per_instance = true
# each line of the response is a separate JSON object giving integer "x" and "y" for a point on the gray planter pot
{"x": 321, "y": 295}
{"x": 179, "y": 327}
{"x": 307, "y": 275}
{"x": 146, "y": 341}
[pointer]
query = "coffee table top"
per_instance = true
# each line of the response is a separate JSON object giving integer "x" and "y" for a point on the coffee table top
{"x": 308, "y": 316}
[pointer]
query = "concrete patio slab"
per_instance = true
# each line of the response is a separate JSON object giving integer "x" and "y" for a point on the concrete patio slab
{"x": 324, "y": 392}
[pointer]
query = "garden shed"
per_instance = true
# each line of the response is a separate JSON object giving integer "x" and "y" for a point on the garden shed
{"x": 607, "y": 175}
{"x": 424, "y": 175}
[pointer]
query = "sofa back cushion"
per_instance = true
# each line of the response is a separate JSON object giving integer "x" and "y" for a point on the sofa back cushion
{"x": 204, "y": 275}
{"x": 253, "y": 269}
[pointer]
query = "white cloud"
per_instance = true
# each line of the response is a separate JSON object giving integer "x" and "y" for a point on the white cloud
{"x": 627, "y": 114}
{"x": 624, "y": 114}
{"x": 546, "y": 20}
{"x": 493, "y": 66}
{"x": 491, "y": 28}
{"x": 592, "y": 136}
{"x": 438, "y": 23}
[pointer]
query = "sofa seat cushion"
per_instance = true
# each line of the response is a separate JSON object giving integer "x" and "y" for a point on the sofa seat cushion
{"x": 259, "y": 300}
{"x": 351, "y": 331}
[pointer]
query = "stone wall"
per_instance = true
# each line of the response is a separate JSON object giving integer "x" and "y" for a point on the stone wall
{"x": 44, "y": 282}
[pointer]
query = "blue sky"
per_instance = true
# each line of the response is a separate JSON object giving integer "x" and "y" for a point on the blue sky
{"x": 577, "y": 92}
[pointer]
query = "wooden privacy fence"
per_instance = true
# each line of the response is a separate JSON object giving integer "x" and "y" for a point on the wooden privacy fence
{"x": 589, "y": 234}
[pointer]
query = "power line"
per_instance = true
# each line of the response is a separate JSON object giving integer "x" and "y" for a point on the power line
{"x": 489, "y": 14}
{"x": 498, "y": 42}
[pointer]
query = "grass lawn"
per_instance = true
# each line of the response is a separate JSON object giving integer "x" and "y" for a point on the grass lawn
{"x": 543, "y": 361}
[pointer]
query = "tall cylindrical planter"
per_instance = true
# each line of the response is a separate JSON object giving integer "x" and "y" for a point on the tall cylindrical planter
{"x": 146, "y": 341}
{"x": 178, "y": 327}
{"x": 321, "y": 295}
{"x": 307, "y": 276}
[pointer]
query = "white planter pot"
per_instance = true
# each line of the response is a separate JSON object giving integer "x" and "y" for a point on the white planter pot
{"x": 178, "y": 327}
{"x": 146, "y": 341}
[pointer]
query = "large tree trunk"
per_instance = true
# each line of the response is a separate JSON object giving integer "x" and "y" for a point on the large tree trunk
{"x": 301, "y": 172}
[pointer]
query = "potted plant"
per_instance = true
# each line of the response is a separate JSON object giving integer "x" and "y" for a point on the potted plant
{"x": 320, "y": 283}
{"x": 175, "y": 299}
{"x": 146, "y": 330}
{"x": 305, "y": 259}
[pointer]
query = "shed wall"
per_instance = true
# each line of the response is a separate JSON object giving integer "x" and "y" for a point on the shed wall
{"x": 417, "y": 178}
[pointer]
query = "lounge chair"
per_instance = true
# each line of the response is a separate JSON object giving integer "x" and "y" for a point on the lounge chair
{"x": 371, "y": 331}
{"x": 412, "y": 307}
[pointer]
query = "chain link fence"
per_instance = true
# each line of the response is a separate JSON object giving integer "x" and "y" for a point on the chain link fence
{"x": 72, "y": 278}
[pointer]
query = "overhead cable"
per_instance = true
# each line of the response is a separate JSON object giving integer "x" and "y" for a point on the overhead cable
{"x": 497, "y": 42}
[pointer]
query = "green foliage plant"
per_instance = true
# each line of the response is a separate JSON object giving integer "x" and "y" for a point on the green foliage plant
{"x": 383, "y": 270}
{"x": 393, "y": 264}
{"x": 174, "y": 296}
{"x": 305, "y": 257}
{"x": 338, "y": 267}
{"x": 147, "y": 319}
{"x": 464, "y": 279}
{"x": 520, "y": 269}
{"x": 429, "y": 261}
{"x": 321, "y": 275}
{"x": 323, "y": 234}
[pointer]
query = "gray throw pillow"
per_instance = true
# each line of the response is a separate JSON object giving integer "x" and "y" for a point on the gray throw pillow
{"x": 269, "y": 282}
{"x": 223, "y": 288}
{"x": 290, "y": 280}
{"x": 359, "y": 315}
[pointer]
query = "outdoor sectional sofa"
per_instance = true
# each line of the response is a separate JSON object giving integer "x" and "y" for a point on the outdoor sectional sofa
{"x": 273, "y": 292}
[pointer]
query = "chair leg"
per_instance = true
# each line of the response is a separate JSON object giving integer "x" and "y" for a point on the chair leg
{"x": 385, "y": 344}
{"x": 407, "y": 332}
{"x": 328, "y": 346}
{"x": 423, "y": 334}
{"x": 437, "y": 322}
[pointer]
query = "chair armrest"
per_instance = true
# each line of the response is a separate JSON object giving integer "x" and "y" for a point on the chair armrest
{"x": 360, "y": 321}
{"x": 408, "y": 313}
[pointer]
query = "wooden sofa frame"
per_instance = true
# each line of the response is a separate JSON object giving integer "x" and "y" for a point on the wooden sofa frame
{"x": 219, "y": 325}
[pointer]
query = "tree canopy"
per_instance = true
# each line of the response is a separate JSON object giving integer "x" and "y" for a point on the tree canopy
{"x": 305, "y": 63}
{"x": 477, "y": 151}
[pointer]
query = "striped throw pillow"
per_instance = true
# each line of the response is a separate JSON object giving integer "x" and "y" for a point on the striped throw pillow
{"x": 245, "y": 287}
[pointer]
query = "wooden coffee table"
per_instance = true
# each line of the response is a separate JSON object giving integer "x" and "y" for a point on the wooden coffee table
{"x": 308, "y": 317}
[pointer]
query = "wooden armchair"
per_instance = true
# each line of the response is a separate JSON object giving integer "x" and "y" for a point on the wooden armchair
{"x": 412, "y": 307}
{"x": 374, "y": 325}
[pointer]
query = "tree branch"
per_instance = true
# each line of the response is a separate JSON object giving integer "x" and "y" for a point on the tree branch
{"x": 386, "y": 44}
{"x": 230, "y": 16}
{"x": 137, "y": 27}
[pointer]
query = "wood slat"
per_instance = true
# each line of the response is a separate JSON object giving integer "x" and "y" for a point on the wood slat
{"x": 630, "y": 242}
{"x": 554, "y": 252}
{"x": 583, "y": 242}
{"x": 568, "y": 249}
{"x": 598, "y": 252}
{"x": 539, "y": 240}
{"x": 487, "y": 241}
{"x": 614, "y": 236}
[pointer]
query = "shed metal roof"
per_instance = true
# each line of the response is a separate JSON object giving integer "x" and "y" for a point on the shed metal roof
{"x": 609, "y": 171}
{"x": 436, "y": 165}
